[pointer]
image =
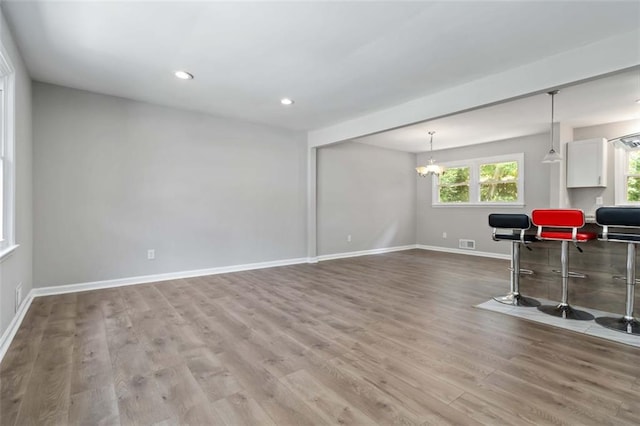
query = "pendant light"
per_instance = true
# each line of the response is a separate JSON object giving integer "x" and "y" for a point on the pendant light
{"x": 552, "y": 156}
{"x": 431, "y": 168}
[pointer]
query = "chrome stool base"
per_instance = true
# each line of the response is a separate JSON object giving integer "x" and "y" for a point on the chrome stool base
{"x": 517, "y": 300}
{"x": 566, "y": 312}
{"x": 624, "y": 325}
{"x": 518, "y": 225}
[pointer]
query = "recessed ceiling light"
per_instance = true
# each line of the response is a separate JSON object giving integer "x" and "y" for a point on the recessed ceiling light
{"x": 183, "y": 75}
{"x": 286, "y": 101}
{"x": 638, "y": 101}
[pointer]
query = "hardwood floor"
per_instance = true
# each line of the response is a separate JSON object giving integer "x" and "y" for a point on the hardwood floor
{"x": 385, "y": 339}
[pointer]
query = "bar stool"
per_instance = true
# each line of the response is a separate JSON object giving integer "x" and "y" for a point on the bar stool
{"x": 565, "y": 224}
{"x": 622, "y": 217}
{"x": 518, "y": 224}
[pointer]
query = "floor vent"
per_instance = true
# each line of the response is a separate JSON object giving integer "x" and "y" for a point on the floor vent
{"x": 467, "y": 244}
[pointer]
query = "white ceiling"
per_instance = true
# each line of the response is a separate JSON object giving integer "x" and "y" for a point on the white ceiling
{"x": 337, "y": 60}
{"x": 605, "y": 100}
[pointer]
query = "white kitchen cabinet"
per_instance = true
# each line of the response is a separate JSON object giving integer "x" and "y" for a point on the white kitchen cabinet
{"x": 587, "y": 163}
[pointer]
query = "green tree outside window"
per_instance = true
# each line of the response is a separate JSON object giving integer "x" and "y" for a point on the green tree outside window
{"x": 633, "y": 176}
{"x": 454, "y": 185}
{"x": 499, "y": 182}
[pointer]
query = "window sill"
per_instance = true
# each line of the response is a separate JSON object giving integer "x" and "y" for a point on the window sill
{"x": 5, "y": 253}
{"x": 499, "y": 205}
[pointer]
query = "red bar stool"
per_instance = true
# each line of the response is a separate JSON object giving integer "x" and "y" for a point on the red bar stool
{"x": 517, "y": 224}
{"x": 622, "y": 217}
{"x": 564, "y": 224}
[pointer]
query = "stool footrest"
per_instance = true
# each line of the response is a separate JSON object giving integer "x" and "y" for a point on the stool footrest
{"x": 629, "y": 326}
{"x": 572, "y": 274}
{"x": 566, "y": 312}
{"x": 523, "y": 271}
{"x": 517, "y": 300}
{"x": 624, "y": 278}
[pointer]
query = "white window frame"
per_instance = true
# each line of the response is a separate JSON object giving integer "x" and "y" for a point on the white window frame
{"x": 7, "y": 154}
{"x": 621, "y": 159}
{"x": 474, "y": 181}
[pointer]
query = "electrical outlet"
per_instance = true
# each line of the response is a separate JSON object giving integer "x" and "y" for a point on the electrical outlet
{"x": 151, "y": 254}
{"x": 599, "y": 201}
{"x": 18, "y": 297}
{"x": 349, "y": 238}
{"x": 444, "y": 235}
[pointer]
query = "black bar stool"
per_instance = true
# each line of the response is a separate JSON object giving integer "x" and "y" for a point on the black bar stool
{"x": 562, "y": 225}
{"x": 622, "y": 217}
{"x": 517, "y": 224}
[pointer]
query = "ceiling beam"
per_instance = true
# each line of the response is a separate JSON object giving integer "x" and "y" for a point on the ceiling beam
{"x": 606, "y": 56}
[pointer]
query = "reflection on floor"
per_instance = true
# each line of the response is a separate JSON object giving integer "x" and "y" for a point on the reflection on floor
{"x": 587, "y": 327}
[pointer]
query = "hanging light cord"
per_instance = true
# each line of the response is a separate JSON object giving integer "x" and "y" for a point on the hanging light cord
{"x": 431, "y": 144}
{"x": 553, "y": 94}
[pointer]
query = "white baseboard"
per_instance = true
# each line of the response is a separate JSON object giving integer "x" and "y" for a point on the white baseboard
{"x": 14, "y": 325}
{"x": 364, "y": 252}
{"x": 96, "y": 285}
{"x": 467, "y": 252}
{"x": 412, "y": 246}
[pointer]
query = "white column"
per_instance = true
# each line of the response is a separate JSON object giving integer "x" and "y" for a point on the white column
{"x": 312, "y": 205}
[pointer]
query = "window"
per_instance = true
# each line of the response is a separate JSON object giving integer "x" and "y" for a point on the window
{"x": 7, "y": 176}
{"x": 3, "y": 160}
{"x": 454, "y": 185}
{"x": 499, "y": 182}
{"x": 481, "y": 181}
{"x": 627, "y": 186}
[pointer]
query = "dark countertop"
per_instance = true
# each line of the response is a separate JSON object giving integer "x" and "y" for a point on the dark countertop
{"x": 601, "y": 261}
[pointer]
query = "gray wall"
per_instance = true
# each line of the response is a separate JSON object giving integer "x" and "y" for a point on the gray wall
{"x": 471, "y": 222}
{"x": 366, "y": 192}
{"x": 585, "y": 198}
{"x": 115, "y": 177}
{"x": 17, "y": 268}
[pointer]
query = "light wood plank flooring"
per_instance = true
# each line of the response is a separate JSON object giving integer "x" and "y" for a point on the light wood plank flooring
{"x": 385, "y": 339}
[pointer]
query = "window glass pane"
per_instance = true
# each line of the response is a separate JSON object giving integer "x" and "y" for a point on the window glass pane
{"x": 454, "y": 194}
{"x": 499, "y": 172}
{"x": 499, "y": 192}
{"x": 455, "y": 175}
{"x": 633, "y": 188}
{"x": 454, "y": 185}
{"x": 498, "y": 182}
{"x": 634, "y": 163}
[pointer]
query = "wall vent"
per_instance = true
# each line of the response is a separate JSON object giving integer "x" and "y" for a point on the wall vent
{"x": 467, "y": 244}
